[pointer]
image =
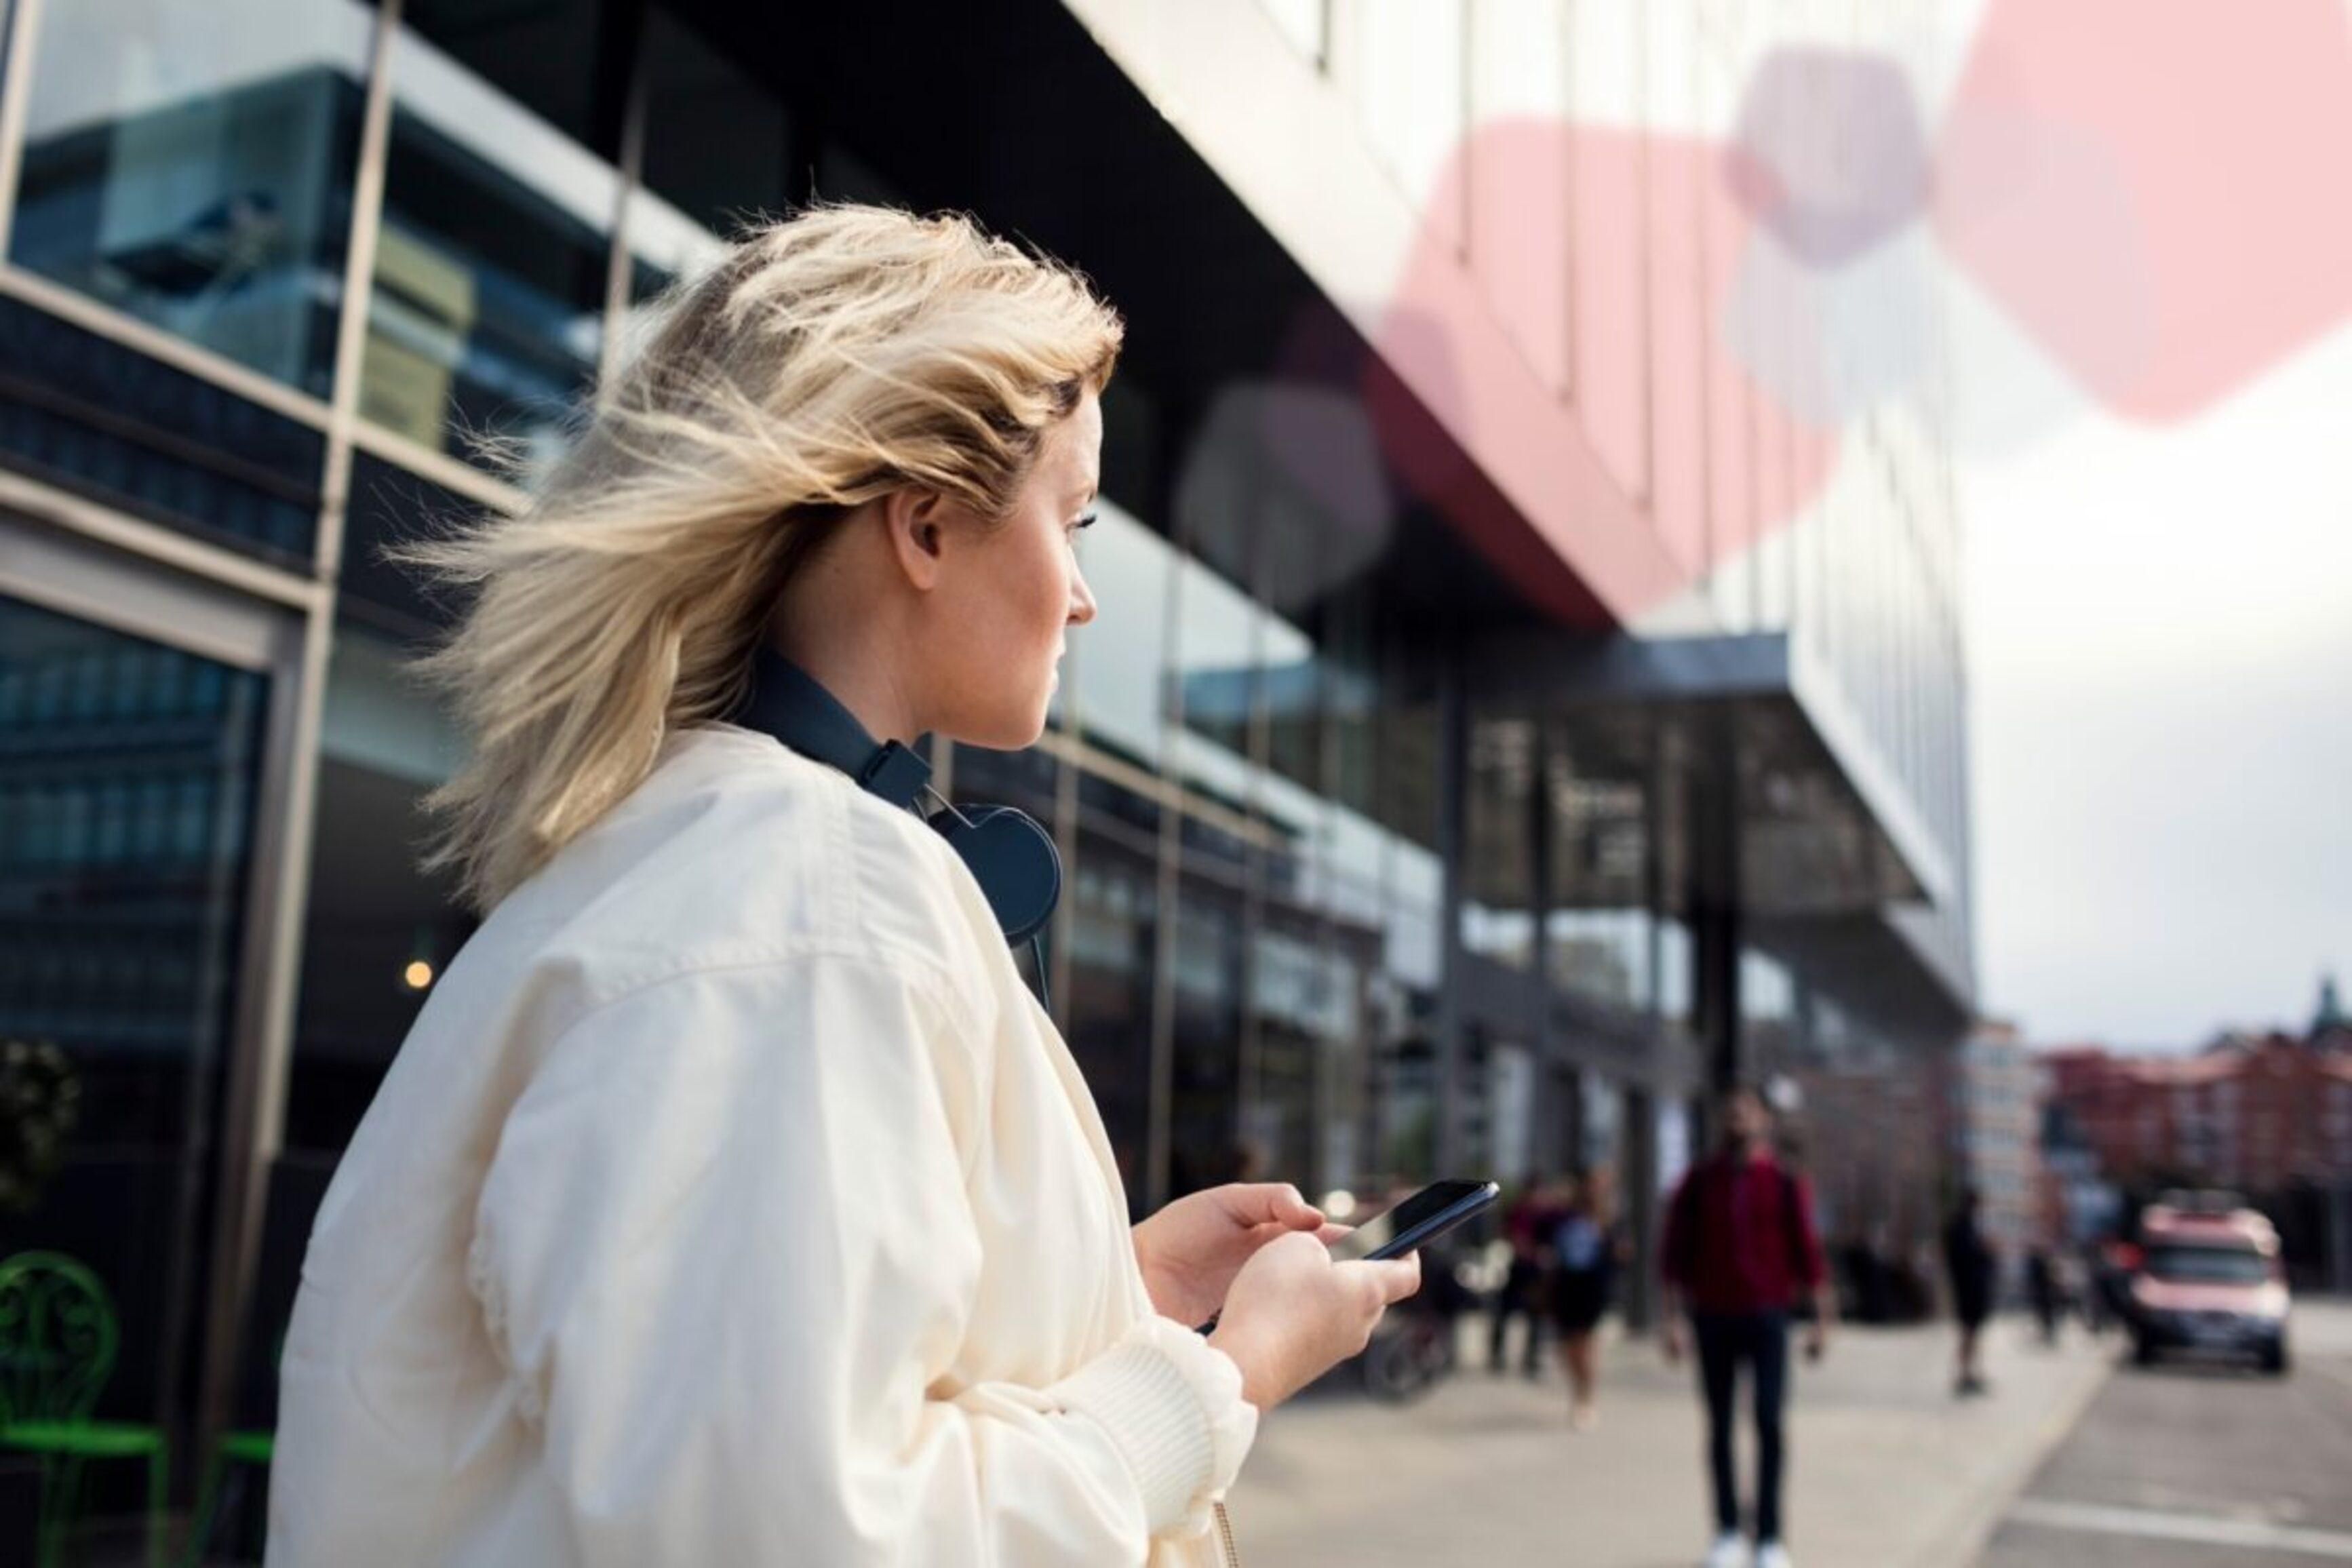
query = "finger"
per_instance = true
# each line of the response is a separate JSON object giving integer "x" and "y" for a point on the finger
{"x": 1258, "y": 1235}
{"x": 1291, "y": 1208}
{"x": 1334, "y": 1231}
{"x": 1279, "y": 1202}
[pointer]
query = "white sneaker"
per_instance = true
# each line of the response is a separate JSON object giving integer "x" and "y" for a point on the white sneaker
{"x": 1729, "y": 1552}
{"x": 1771, "y": 1554}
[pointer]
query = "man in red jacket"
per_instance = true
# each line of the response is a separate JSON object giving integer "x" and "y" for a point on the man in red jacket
{"x": 1739, "y": 1252}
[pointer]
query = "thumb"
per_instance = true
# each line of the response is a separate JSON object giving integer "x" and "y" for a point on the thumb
{"x": 1398, "y": 1277}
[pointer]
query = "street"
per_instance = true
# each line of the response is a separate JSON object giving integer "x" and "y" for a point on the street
{"x": 1885, "y": 1467}
{"x": 2180, "y": 1466}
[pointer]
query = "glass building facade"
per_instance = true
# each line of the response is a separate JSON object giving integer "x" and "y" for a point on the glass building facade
{"x": 1383, "y": 857}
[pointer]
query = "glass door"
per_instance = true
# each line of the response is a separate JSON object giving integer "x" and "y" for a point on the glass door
{"x": 130, "y": 764}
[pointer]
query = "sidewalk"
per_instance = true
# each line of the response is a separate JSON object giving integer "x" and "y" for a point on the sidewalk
{"x": 1886, "y": 1468}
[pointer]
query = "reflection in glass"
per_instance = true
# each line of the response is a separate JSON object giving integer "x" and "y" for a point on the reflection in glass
{"x": 1204, "y": 1135}
{"x": 542, "y": 55}
{"x": 1117, "y": 662}
{"x": 126, "y": 772}
{"x": 1216, "y": 664}
{"x": 1113, "y": 935}
{"x": 1677, "y": 978}
{"x": 719, "y": 145}
{"x": 490, "y": 274}
{"x": 1306, "y": 1104}
{"x": 1597, "y": 931}
{"x": 1498, "y": 911}
{"x": 1600, "y": 1117}
{"x": 379, "y": 930}
{"x": 1767, "y": 1006}
{"x": 96, "y": 415}
{"x": 192, "y": 165}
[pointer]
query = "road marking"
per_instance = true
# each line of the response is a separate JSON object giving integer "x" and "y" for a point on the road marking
{"x": 2204, "y": 1529}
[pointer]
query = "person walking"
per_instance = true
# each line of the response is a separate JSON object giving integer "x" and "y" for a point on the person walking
{"x": 734, "y": 1200}
{"x": 1739, "y": 1252}
{"x": 1526, "y": 1225}
{"x": 2043, "y": 1288}
{"x": 1587, "y": 1247}
{"x": 1969, "y": 1263}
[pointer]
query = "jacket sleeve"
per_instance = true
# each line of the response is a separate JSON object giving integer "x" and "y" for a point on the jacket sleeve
{"x": 725, "y": 1251}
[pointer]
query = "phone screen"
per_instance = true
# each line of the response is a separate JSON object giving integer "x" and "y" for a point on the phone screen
{"x": 1433, "y": 1203}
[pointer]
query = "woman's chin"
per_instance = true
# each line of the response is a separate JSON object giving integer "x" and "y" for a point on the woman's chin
{"x": 1009, "y": 735}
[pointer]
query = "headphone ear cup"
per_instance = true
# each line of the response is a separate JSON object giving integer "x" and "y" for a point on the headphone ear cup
{"x": 1012, "y": 858}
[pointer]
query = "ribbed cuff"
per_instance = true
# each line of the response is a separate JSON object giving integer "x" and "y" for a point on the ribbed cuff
{"x": 1174, "y": 1406}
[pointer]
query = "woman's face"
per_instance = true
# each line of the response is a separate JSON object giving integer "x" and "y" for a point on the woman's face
{"x": 1018, "y": 593}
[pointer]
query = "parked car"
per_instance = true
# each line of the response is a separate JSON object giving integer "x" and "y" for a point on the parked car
{"x": 2210, "y": 1283}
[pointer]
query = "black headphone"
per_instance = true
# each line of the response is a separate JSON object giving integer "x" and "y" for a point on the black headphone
{"x": 1010, "y": 855}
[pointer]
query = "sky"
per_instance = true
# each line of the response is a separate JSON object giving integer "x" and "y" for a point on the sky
{"x": 2160, "y": 622}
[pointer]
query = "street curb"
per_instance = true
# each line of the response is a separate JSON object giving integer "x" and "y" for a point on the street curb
{"x": 1982, "y": 1510}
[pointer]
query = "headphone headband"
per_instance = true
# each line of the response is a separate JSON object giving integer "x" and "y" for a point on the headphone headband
{"x": 791, "y": 704}
{"x": 1008, "y": 854}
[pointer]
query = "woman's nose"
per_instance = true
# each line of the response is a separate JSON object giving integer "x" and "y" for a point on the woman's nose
{"x": 1082, "y": 600}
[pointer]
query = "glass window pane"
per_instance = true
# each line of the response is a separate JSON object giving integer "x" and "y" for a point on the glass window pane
{"x": 1216, "y": 657}
{"x": 90, "y": 414}
{"x": 1203, "y": 1130}
{"x": 491, "y": 274}
{"x": 126, "y": 798}
{"x": 1597, "y": 941}
{"x": 561, "y": 59}
{"x": 192, "y": 165}
{"x": 1116, "y": 663}
{"x": 379, "y": 930}
{"x": 1498, "y": 909}
{"x": 720, "y": 143}
{"x": 1113, "y": 936}
{"x": 390, "y": 506}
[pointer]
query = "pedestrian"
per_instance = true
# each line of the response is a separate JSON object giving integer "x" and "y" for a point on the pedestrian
{"x": 2042, "y": 1288}
{"x": 1587, "y": 1247}
{"x": 732, "y": 1201}
{"x": 1526, "y": 1224}
{"x": 1740, "y": 1253}
{"x": 1969, "y": 1263}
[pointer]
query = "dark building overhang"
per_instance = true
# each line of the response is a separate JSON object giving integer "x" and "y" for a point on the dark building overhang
{"x": 1838, "y": 872}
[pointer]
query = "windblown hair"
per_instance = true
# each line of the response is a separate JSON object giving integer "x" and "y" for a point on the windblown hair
{"x": 825, "y": 360}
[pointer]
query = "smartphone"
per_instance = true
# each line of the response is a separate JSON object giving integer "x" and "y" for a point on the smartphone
{"x": 1416, "y": 1221}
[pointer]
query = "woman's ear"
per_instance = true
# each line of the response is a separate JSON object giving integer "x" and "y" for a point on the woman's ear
{"x": 915, "y": 523}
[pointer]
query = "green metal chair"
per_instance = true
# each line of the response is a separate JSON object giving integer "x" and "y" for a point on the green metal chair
{"x": 58, "y": 1336}
{"x": 253, "y": 1447}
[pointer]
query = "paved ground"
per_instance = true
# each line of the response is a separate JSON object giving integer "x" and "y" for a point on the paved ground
{"x": 2178, "y": 1467}
{"x": 1887, "y": 1469}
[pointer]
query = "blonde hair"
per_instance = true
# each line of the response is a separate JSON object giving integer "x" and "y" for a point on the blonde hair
{"x": 825, "y": 360}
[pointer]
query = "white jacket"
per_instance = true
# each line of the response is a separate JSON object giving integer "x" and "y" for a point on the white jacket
{"x": 732, "y": 1201}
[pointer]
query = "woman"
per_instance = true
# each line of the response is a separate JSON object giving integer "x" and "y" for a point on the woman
{"x": 731, "y": 1202}
{"x": 1586, "y": 1249}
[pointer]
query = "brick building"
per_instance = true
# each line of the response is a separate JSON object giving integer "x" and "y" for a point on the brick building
{"x": 2255, "y": 1112}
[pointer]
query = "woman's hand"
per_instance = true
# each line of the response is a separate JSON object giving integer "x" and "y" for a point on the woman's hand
{"x": 1191, "y": 1250}
{"x": 1294, "y": 1313}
